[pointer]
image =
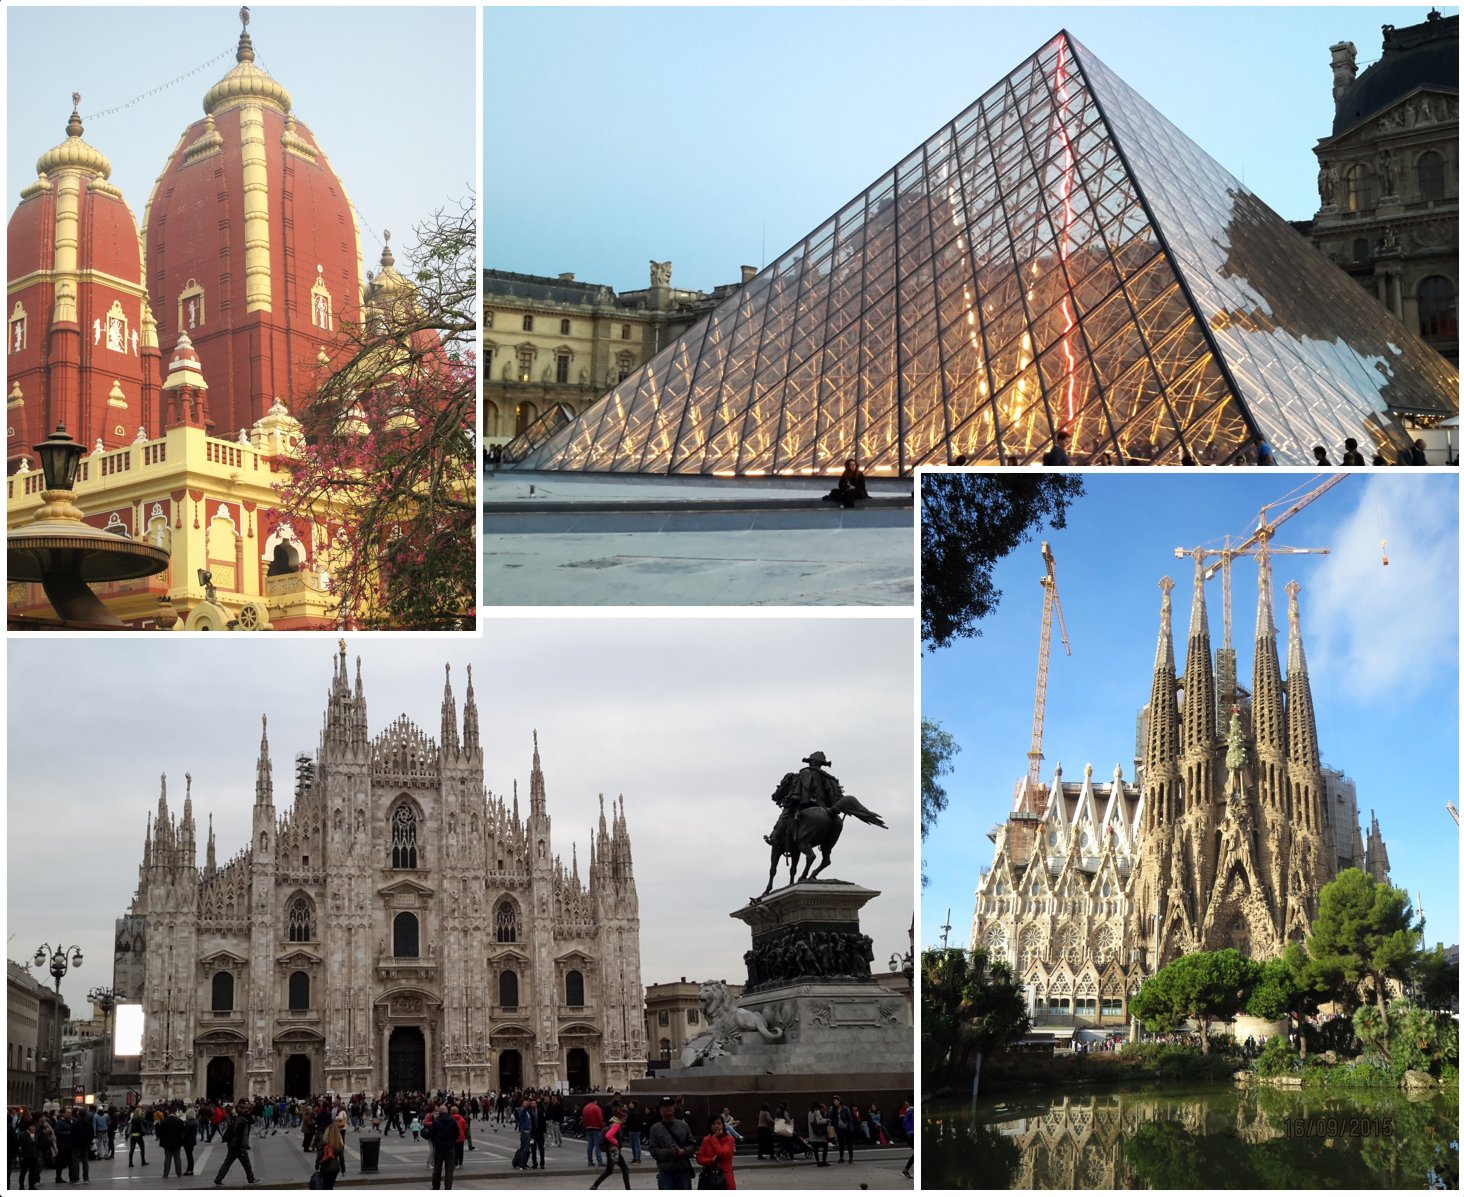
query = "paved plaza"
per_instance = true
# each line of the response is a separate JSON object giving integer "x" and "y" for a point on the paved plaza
{"x": 573, "y": 540}
{"x": 279, "y": 1162}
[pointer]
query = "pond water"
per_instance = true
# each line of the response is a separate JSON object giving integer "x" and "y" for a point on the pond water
{"x": 1195, "y": 1136}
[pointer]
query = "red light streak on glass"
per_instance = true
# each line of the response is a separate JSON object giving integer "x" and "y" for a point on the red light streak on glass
{"x": 1067, "y": 220}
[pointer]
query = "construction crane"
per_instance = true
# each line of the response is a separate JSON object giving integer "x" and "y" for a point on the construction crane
{"x": 1258, "y": 545}
{"x": 1453, "y": 810}
{"x": 1050, "y": 603}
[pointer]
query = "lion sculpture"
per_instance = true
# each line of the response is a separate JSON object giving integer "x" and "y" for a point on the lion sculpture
{"x": 727, "y": 1021}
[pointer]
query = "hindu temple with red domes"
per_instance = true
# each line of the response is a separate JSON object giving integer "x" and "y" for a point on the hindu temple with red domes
{"x": 177, "y": 355}
{"x": 249, "y": 245}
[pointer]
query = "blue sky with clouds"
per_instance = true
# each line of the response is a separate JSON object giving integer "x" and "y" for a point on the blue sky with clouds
{"x": 1382, "y": 647}
{"x": 719, "y": 136}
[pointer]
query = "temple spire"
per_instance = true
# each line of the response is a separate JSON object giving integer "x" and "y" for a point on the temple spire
{"x": 1301, "y": 715}
{"x": 1199, "y": 674}
{"x": 470, "y": 718}
{"x": 449, "y": 714}
{"x": 264, "y": 778}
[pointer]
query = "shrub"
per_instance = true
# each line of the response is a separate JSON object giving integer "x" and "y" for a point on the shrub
{"x": 1277, "y": 1058}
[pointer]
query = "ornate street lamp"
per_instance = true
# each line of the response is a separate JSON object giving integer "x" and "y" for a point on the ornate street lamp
{"x": 59, "y": 968}
{"x": 63, "y": 553}
{"x": 105, "y": 999}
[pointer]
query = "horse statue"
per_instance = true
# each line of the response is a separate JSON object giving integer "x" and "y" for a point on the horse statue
{"x": 814, "y": 829}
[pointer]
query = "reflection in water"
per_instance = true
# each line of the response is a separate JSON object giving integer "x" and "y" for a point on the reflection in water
{"x": 1215, "y": 1137}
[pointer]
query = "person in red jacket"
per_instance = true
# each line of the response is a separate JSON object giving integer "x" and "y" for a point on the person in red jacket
{"x": 717, "y": 1149}
{"x": 592, "y": 1118}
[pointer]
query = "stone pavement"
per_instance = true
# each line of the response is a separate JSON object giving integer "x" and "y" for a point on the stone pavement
{"x": 279, "y": 1162}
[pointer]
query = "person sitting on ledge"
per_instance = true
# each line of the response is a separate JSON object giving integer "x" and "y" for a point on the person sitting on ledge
{"x": 851, "y": 488}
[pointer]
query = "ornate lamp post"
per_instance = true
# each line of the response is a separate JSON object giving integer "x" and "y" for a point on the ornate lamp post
{"x": 59, "y": 968}
{"x": 105, "y": 999}
{"x": 64, "y": 554}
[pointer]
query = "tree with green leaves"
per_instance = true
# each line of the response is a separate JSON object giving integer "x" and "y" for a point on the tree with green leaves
{"x": 937, "y": 746}
{"x": 1202, "y": 986}
{"x": 969, "y": 522}
{"x": 1288, "y": 987}
{"x": 1434, "y": 980}
{"x": 1365, "y": 935}
{"x": 970, "y": 1006}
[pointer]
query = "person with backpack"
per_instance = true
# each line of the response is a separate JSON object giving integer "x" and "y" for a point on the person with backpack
{"x": 614, "y": 1150}
{"x": 330, "y": 1157}
{"x": 236, "y": 1139}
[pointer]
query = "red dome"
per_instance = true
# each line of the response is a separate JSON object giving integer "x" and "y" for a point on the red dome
{"x": 251, "y": 249}
{"x": 74, "y": 307}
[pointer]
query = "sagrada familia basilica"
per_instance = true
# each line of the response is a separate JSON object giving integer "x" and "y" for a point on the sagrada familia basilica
{"x": 1224, "y": 838}
{"x": 395, "y": 927}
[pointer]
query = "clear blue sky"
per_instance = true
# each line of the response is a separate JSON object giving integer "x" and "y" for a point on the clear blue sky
{"x": 721, "y": 136}
{"x": 1382, "y": 650}
{"x": 390, "y": 94}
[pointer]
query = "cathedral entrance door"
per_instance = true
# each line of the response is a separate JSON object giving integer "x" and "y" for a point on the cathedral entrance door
{"x": 578, "y": 1066}
{"x": 510, "y": 1070}
{"x": 297, "y": 1076}
{"x": 407, "y": 1060}
{"x": 220, "y": 1079}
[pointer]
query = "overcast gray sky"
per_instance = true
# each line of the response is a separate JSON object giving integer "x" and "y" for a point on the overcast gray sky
{"x": 693, "y": 720}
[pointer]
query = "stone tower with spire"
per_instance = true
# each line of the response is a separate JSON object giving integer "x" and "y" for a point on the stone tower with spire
{"x": 394, "y": 926}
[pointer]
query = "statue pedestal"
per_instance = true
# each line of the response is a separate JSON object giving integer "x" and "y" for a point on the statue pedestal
{"x": 809, "y": 975}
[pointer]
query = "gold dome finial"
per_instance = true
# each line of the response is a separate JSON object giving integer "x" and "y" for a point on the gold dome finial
{"x": 246, "y": 81}
{"x": 73, "y": 152}
{"x": 246, "y": 47}
{"x": 387, "y": 260}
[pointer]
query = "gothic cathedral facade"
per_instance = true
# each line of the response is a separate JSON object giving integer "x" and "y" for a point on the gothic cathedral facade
{"x": 397, "y": 928}
{"x": 1225, "y": 838}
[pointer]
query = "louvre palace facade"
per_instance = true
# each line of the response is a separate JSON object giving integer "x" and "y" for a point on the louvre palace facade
{"x": 395, "y": 927}
{"x": 1224, "y": 838}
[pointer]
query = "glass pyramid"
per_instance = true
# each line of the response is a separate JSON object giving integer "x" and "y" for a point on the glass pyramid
{"x": 1057, "y": 258}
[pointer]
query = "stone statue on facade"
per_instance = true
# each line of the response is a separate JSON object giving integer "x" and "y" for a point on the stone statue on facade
{"x": 1388, "y": 172}
{"x": 812, "y": 808}
{"x": 660, "y": 274}
{"x": 1327, "y": 184}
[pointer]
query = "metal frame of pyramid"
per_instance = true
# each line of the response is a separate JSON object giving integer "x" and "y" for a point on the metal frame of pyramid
{"x": 1058, "y": 259}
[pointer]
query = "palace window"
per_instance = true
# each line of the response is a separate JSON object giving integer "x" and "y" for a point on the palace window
{"x": 564, "y": 328}
{"x": 574, "y": 988}
{"x": 299, "y": 919}
{"x": 404, "y": 837}
{"x": 505, "y": 921}
{"x": 508, "y": 990}
{"x": 693, "y": 1016}
{"x": 1430, "y": 176}
{"x": 1438, "y": 307}
{"x": 561, "y": 367}
{"x": 1356, "y": 189}
{"x": 223, "y": 992}
{"x": 625, "y": 332}
{"x": 299, "y": 991}
{"x": 625, "y": 365}
{"x": 404, "y": 936}
{"x": 664, "y": 1018}
{"x": 528, "y": 324}
{"x": 525, "y": 364}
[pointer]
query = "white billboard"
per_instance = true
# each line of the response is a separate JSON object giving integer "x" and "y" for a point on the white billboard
{"x": 127, "y": 1031}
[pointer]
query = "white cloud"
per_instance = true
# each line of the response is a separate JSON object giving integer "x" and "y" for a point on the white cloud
{"x": 1369, "y": 626}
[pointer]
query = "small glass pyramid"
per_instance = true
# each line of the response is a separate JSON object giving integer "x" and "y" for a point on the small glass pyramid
{"x": 1057, "y": 259}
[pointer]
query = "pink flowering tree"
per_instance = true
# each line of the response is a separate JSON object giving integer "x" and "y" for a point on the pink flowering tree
{"x": 389, "y": 463}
